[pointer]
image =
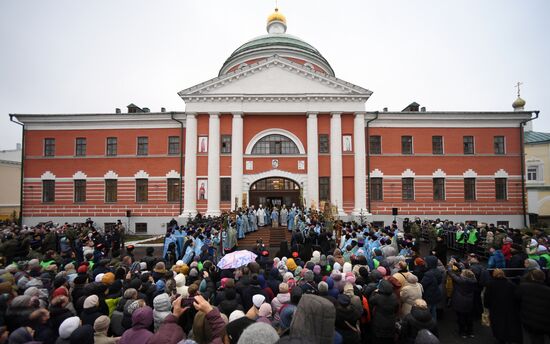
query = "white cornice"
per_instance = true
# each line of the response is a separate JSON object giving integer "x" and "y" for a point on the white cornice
{"x": 340, "y": 87}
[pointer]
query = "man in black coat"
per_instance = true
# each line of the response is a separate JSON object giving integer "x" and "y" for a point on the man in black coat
{"x": 431, "y": 282}
{"x": 534, "y": 297}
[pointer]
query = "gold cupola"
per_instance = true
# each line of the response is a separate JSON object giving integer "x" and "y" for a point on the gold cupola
{"x": 276, "y": 22}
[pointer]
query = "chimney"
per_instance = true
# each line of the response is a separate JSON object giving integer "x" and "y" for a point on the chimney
{"x": 385, "y": 109}
{"x": 18, "y": 146}
{"x": 117, "y": 110}
{"x": 423, "y": 109}
{"x": 162, "y": 109}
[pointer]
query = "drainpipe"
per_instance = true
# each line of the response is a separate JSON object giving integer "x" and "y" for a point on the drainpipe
{"x": 22, "y": 165}
{"x": 172, "y": 113}
{"x": 368, "y": 159}
{"x": 522, "y": 149}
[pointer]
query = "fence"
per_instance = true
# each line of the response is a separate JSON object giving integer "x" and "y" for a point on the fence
{"x": 481, "y": 248}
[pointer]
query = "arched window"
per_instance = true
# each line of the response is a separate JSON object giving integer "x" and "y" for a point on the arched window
{"x": 275, "y": 144}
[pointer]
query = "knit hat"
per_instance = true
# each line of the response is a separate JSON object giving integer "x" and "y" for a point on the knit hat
{"x": 20, "y": 336}
{"x": 350, "y": 277}
{"x": 347, "y": 267}
{"x": 130, "y": 293}
{"x": 382, "y": 270}
{"x": 99, "y": 277}
{"x": 68, "y": 326}
{"x": 344, "y": 300}
{"x": 348, "y": 289}
{"x": 143, "y": 266}
{"x": 259, "y": 333}
{"x": 265, "y": 310}
{"x": 160, "y": 268}
{"x": 102, "y": 323}
{"x": 419, "y": 262}
{"x": 317, "y": 269}
{"x": 91, "y": 301}
{"x": 236, "y": 314}
{"x": 82, "y": 269}
{"x": 108, "y": 278}
{"x": 337, "y": 266}
{"x": 257, "y": 300}
{"x": 283, "y": 288}
{"x": 61, "y": 291}
{"x": 287, "y": 276}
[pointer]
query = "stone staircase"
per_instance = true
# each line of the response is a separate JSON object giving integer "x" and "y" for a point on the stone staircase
{"x": 271, "y": 237}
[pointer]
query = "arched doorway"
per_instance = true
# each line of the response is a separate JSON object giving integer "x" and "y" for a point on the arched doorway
{"x": 274, "y": 191}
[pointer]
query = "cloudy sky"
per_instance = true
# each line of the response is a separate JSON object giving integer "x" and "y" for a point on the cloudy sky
{"x": 77, "y": 56}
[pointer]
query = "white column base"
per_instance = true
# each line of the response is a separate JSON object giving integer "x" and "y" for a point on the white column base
{"x": 188, "y": 213}
{"x": 342, "y": 213}
{"x": 359, "y": 212}
{"x": 213, "y": 213}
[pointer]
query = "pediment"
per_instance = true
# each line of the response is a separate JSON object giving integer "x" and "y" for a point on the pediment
{"x": 274, "y": 76}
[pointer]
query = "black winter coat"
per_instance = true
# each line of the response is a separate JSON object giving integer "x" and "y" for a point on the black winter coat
{"x": 535, "y": 302}
{"x": 418, "y": 319}
{"x": 384, "y": 308}
{"x": 431, "y": 282}
{"x": 503, "y": 310}
{"x": 89, "y": 315}
{"x": 462, "y": 299}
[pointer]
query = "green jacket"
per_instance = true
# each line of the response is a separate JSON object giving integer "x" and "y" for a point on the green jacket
{"x": 472, "y": 237}
{"x": 460, "y": 237}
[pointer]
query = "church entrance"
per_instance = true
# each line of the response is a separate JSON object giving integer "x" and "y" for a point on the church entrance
{"x": 274, "y": 192}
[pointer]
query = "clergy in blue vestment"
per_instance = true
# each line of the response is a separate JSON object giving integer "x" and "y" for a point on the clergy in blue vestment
{"x": 252, "y": 220}
{"x": 275, "y": 218}
{"x": 245, "y": 223}
{"x": 198, "y": 245}
{"x": 169, "y": 239}
{"x": 284, "y": 216}
{"x": 189, "y": 251}
{"x": 291, "y": 215}
{"x": 240, "y": 230}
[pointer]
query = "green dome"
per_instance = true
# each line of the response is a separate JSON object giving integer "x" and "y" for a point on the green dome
{"x": 267, "y": 45}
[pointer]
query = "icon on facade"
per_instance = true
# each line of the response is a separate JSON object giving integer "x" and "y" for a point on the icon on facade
{"x": 274, "y": 163}
{"x": 202, "y": 189}
{"x": 301, "y": 165}
{"x": 249, "y": 165}
{"x": 346, "y": 143}
{"x": 203, "y": 144}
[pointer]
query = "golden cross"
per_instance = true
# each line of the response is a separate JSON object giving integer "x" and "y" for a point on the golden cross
{"x": 518, "y": 85}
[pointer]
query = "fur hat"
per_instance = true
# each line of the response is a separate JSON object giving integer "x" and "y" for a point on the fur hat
{"x": 68, "y": 326}
{"x": 323, "y": 287}
{"x": 308, "y": 276}
{"x": 108, "y": 278}
{"x": 91, "y": 301}
{"x": 259, "y": 333}
{"x": 283, "y": 288}
{"x": 102, "y": 323}
{"x": 257, "y": 300}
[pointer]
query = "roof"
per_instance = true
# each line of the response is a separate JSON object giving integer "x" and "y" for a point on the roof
{"x": 536, "y": 137}
{"x": 280, "y": 41}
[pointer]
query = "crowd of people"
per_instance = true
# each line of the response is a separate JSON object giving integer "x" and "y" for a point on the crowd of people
{"x": 334, "y": 282}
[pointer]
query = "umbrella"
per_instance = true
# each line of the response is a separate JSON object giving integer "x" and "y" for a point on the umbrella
{"x": 236, "y": 259}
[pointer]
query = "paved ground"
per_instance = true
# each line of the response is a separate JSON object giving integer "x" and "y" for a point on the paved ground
{"x": 447, "y": 323}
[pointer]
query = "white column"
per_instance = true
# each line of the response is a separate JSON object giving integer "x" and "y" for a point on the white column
{"x": 360, "y": 178}
{"x": 237, "y": 159}
{"x": 336, "y": 188}
{"x": 213, "y": 208}
{"x": 190, "y": 178}
{"x": 312, "y": 162}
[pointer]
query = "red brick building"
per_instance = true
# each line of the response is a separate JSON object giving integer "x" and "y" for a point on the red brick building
{"x": 274, "y": 127}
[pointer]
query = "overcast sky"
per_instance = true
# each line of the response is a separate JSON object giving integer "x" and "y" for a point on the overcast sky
{"x": 93, "y": 56}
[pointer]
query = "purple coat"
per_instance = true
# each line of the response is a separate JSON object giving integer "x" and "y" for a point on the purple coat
{"x": 142, "y": 319}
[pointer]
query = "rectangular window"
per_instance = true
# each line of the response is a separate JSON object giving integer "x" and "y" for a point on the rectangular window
{"x": 49, "y": 147}
{"x": 225, "y": 147}
{"x": 109, "y": 226}
{"x": 468, "y": 144}
{"x": 503, "y": 223}
{"x": 323, "y": 143}
{"x": 80, "y": 146}
{"x": 469, "y": 189}
{"x": 532, "y": 173}
{"x": 324, "y": 189}
{"x": 80, "y": 190}
{"x": 439, "y": 189}
{"x": 376, "y": 189}
{"x": 111, "y": 190}
{"x": 501, "y": 189}
{"x": 375, "y": 144}
{"x": 173, "y": 189}
{"x": 112, "y": 146}
{"x": 499, "y": 144}
{"x": 173, "y": 145}
{"x": 407, "y": 189}
{"x": 142, "y": 190}
{"x": 141, "y": 227}
{"x": 48, "y": 191}
{"x": 437, "y": 145}
{"x": 406, "y": 145}
{"x": 225, "y": 189}
{"x": 143, "y": 145}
